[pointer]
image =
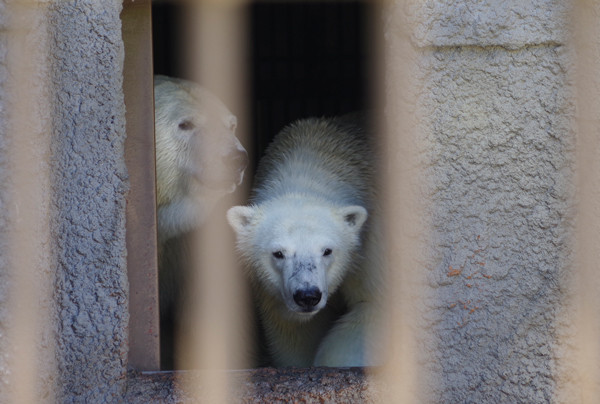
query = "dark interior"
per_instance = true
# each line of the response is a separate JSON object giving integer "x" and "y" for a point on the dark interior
{"x": 304, "y": 59}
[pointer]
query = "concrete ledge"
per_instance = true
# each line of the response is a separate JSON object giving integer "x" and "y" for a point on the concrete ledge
{"x": 322, "y": 385}
{"x": 511, "y": 24}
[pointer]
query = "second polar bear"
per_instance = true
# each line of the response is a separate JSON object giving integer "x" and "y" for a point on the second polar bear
{"x": 310, "y": 237}
{"x": 199, "y": 160}
{"x": 198, "y": 157}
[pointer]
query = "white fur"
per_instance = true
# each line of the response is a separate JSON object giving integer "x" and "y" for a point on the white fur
{"x": 312, "y": 226}
{"x": 195, "y": 135}
{"x": 198, "y": 161}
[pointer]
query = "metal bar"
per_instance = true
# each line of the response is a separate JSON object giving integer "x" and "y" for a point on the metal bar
{"x": 144, "y": 351}
{"x": 585, "y": 34}
{"x": 217, "y": 30}
{"x": 28, "y": 281}
{"x": 402, "y": 171}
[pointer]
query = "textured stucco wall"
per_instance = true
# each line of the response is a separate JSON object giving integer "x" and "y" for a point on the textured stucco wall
{"x": 495, "y": 117}
{"x": 82, "y": 51}
{"x": 90, "y": 185}
{"x": 500, "y": 204}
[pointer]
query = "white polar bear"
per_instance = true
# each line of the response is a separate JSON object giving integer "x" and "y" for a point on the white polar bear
{"x": 198, "y": 161}
{"x": 314, "y": 258}
{"x": 198, "y": 158}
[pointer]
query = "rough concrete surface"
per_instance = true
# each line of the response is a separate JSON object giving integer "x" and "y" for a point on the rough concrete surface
{"x": 511, "y": 24}
{"x": 500, "y": 165}
{"x": 78, "y": 54}
{"x": 496, "y": 114}
{"x": 266, "y": 385}
{"x": 90, "y": 185}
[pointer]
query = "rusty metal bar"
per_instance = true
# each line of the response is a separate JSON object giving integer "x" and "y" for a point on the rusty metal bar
{"x": 217, "y": 30}
{"x": 28, "y": 281}
{"x": 403, "y": 208}
{"x": 585, "y": 34}
{"x": 144, "y": 351}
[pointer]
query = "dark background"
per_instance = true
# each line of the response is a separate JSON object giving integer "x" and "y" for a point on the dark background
{"x": 304, "y": 59}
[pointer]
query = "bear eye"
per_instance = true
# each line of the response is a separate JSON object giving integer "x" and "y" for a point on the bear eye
{"x": 186, "y": 125}
{"x": 327, "y": 252}
{"x": 278, "y": 254}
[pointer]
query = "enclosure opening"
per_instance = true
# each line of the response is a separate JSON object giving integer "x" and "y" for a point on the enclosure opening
{"x": 303, "y": 59}
{"x": 308, "y": 59}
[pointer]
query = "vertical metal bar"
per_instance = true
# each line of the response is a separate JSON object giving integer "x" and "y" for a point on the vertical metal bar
{"x": 218, "y": 29}
{"x": 144, "y": 351}
{"x": 28, "y": 250}
{"x": 401, "y": 147}
{"x": 586, "y": 31}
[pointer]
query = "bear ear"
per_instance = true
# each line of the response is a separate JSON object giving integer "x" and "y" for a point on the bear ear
{"x": 354, "y": 216}
{"x": 241, "y": 218}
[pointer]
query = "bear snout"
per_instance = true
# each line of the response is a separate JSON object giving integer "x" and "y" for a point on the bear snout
{"x": 307, "y": 298}
{"x": 236, "y": 160}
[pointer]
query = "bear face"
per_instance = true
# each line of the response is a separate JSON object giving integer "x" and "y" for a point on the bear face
{"x": 195, "y": 140}
{"x": 299, "y": 249}
{"x": 198, "y": 157}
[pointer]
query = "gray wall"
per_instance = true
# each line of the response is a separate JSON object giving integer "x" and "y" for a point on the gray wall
{"x": 80, "y": 53}
{"x": 90, "y": 185}
{"x": 495, "y": 112}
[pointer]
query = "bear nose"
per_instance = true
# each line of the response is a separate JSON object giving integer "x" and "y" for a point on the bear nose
{"x": 307, "y": 298}
{"x": 236, "y": 160}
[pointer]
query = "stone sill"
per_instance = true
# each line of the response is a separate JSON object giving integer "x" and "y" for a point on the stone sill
{"x": 263, "y": 385}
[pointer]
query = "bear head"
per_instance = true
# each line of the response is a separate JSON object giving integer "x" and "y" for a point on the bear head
{"x": 197, "y": 150}
{"x": 298, "y": 251}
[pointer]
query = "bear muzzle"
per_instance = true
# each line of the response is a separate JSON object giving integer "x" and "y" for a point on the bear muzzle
{"x": 307, "y": 299}
{"x": 237, "y": 161}
{"x": 305, "y": 284}
{"x": 229, "y": 175}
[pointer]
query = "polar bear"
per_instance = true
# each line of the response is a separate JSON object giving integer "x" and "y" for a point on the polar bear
{"x": 310, "y": 240}
{"x": 198, "y": 161}
{"x": 198, "y": 158}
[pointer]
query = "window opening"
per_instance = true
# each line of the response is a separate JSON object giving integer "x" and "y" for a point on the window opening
{"x": 303, "y": 59}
